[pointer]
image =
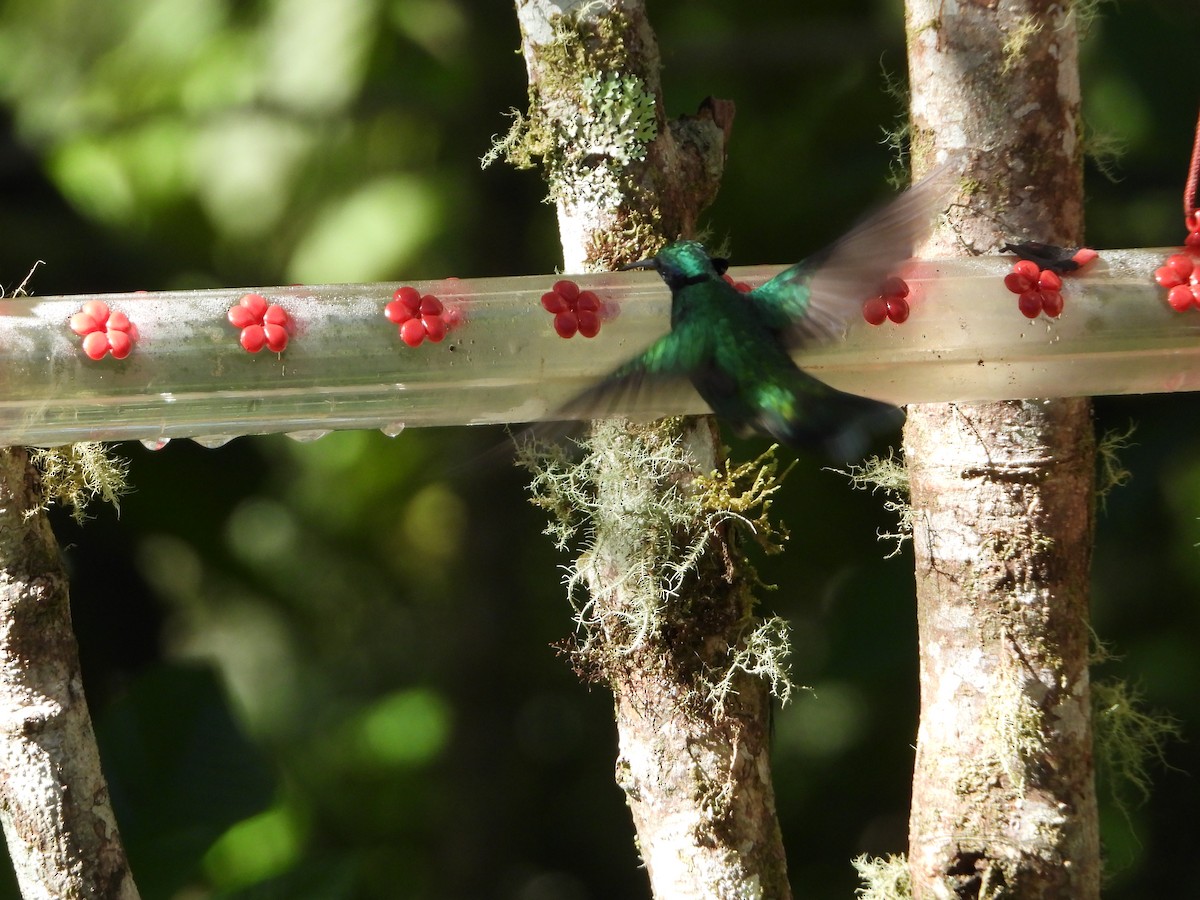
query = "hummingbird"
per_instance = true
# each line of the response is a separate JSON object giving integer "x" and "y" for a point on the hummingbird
{"x": 735, "y": 348}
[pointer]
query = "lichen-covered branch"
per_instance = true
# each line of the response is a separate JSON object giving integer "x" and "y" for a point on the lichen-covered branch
{"x": 623, "y": 177}
{"x": 54, "y": 803}
{"x": 665, "y": 618}
{"x": 1002, "y": 493}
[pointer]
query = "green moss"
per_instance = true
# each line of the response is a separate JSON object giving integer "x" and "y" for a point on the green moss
{"x": 1018, "y": 40}
{"x": 76, "y": 474}
{"x": 971, "y": 187}
{"x": 1019, "y": 725}
{"x": 526, "y": 143}
{"x": 934, "y": 24}
{"x": 637, "y": 234}
{"x": 744, "y": 494}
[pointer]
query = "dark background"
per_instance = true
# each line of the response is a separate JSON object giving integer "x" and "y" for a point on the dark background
{"x": 323, "y": 670}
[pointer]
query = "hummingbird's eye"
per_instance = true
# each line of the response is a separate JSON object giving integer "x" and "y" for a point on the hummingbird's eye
{"x": 720, "y": 264}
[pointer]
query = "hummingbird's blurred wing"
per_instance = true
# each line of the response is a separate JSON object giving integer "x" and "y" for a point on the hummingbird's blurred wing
{"x": 812, "y": 301}
{"x": 651, "y": 380}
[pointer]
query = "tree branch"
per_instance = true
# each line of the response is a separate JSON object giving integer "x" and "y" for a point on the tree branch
{"x": 61, "y": 831}
{"x": 669, "y": 610}
{"x": 1002, "y": 493}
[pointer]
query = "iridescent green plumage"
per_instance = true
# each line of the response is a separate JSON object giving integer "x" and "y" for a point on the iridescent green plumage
{"x": 736, "y": 348}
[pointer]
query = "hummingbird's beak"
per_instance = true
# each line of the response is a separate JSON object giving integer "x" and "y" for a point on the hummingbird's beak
{"x": 651, "y": 263}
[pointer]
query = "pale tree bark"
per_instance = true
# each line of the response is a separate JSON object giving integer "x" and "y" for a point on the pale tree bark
{"x": 695, "y": 773}
{"x": 54, "y": 802}
{"x": 1002, "y": 493}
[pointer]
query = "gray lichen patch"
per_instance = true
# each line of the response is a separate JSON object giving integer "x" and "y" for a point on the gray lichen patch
{"x": 589, "y": 115}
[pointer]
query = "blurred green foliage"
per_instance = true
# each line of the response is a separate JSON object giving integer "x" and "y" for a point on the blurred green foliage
{"x": 324, "y": 670}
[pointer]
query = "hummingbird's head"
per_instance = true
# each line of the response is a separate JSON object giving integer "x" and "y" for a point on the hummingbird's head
{"x": 683, "y": 263}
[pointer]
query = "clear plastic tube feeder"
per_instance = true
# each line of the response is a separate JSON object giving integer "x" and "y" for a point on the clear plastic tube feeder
{"x": 214, "y": 364}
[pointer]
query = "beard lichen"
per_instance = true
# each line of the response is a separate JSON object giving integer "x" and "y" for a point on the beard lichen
{"x": 1110, "y": 472}
{"x": 890, "y": 475}
{"x": 763, "y": 653}
{"x": 658, "y": 575}
{"x": 76, "y": 474}
{"x": 1128, "y": 739}
{"x": 884, "y": 878}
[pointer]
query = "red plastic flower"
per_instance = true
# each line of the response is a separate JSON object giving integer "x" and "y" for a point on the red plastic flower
{"x": 1193, "y": 226}
{"x": 574, "y": 310}
{"x": 1039, "y": 290}
{"x": 1182, "y": 281}
{"x": 452, "y": 313}
{"x": 104, "y": 331}
{"x": 263, "y": 324}
{"x": 420, "y": 317}
{"x": 890, "y": 303}
{"x": 740, "y": 286}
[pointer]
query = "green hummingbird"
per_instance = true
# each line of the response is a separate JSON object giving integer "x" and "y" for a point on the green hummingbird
{"x": 735, "y": 348}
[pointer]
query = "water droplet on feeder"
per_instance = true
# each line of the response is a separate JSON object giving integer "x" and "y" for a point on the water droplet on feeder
{"x": 305, "y": 437}
{"x": 213, "y": 441}
{"x": 391, "y": 429}
{"x": 155, "y": 443}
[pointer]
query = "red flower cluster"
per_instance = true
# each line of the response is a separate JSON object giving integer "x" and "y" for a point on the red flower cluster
{"x": 890, "y": 303}
{"x": 1181, "y": 278}
{"x": 574, "y": 310}
{"x": 1193, "y": 226}
{"x": 104, "y": 331}
{"x": 1040, "y": 289}
{"x": 420, "y": 317}
{"x": 740, "y": 286}
{"x": 263, "y": 324}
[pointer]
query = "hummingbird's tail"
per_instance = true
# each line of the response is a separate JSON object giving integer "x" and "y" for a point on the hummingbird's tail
{"x": 863, "y": 421}
{"x": 833, "y": 423}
